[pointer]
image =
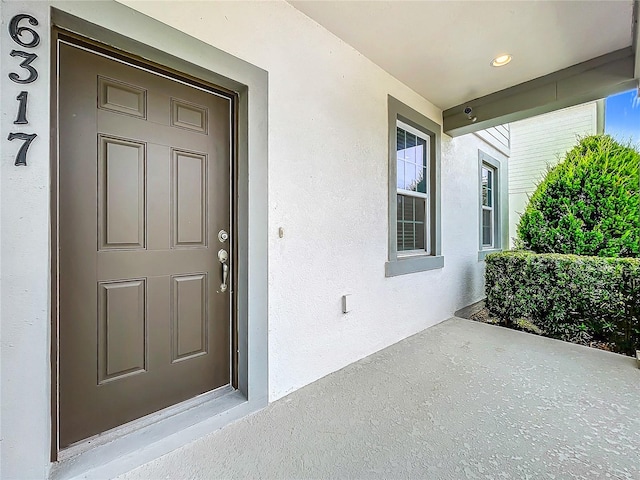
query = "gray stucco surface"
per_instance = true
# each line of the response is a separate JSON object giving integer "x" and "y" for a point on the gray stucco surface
{"x": 460, "y": 400}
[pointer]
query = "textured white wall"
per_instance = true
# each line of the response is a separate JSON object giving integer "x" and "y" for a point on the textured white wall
{"x": 327, "y": 189}
{"x": 540, "y": 142}
{"x": 24, "y": 259}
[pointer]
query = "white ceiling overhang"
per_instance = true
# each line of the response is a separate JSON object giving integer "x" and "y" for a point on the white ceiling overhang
{"x": 442, "y": 49}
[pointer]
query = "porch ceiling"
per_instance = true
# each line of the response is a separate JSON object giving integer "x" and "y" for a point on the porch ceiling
{"x": 564, "y": 52}
{"x": 443, "y": 49}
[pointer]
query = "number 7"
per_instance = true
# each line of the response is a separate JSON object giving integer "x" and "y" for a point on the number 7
{"x": 21, "y": 157}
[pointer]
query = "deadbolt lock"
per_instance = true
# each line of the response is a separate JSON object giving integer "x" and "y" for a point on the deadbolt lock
{"x": 223, "y": 236}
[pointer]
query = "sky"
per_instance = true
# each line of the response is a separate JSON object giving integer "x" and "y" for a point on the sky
{"x": 622, "y": 116}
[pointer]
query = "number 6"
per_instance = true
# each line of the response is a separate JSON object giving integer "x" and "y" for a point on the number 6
{"x": 16, "y": 32}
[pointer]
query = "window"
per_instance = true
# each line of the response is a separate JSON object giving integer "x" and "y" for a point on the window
{"x": 412, "y": 173}
{"x": 490, "y": 208}
{"x": 488, "y": 211}
{"x": 414, "y": 192}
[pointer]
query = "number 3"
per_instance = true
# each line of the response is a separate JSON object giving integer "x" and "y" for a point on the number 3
{"x": 26, "y": 63}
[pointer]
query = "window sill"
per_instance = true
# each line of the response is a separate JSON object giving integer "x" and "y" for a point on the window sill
{"x": 413, "y": 264}
{"x": 483, "y": 253}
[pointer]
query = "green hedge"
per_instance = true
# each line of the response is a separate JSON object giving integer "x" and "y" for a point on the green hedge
{"x": 570, "y": 297}
{"x": 589, "y": 204}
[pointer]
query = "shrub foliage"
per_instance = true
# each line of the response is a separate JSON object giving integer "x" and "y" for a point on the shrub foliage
{"x": 572, "y": 298}
{"x": 589, "y": 204}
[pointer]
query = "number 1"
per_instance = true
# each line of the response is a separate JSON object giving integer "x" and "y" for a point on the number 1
{"x": 21, "y": 119}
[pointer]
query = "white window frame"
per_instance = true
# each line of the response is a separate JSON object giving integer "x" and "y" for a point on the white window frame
{"x": 424, "y": 196}
{"x": 406, "y": 262}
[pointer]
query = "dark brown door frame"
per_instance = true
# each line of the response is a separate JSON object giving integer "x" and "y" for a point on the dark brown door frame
{"x": 58, "y": 34}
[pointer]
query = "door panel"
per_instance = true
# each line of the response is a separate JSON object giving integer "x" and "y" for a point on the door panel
{"x": 189, "y": 332}
{"x": 189, "y": 181}
{"x": 122, "y": 339}
{"x": 120, "y": 97}
{"x": 144, "y": 187}
{"x": 121, "y": 193}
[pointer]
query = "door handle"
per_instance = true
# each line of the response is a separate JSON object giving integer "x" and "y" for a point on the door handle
{"x": 223, "y": 256}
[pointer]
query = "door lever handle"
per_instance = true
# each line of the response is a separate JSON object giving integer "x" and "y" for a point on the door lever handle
{"x": 222, "y": 257}
{"x": 225, "y": 274}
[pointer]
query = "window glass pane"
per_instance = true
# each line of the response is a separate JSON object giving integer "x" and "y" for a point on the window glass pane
{"x": 400, "y": 236}
{"x": 419, "y": 210}
{"x": 419, "y": 149}
{"x": 420, "y": 219}
{"x": 408, "y": 209}
{"x": 409, "y": 236}
{"x": 487, "y": 228}
{"x": 410, "y": 177}
{"x": 399, "y": 139}
{"x": 407, "y": 154}
{"x": 411, "y": 140}
{"x": 421, "y": 152}
{"x": 410, "y": 151}
{"x": 405, "y": 143}
{"x": 489, "y": 188}
{"x": 485, "y": 187}
{"x": 421, "y": 185}
{"x": 411, "y": 223}
{"x": 400, "y": 174}
{"x": 419, "y": 245}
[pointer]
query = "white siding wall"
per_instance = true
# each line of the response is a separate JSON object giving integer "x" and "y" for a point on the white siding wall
{"x": 540, "y": 142}
{"x": 327, "y": 187}
{"x": 499, "y": 137}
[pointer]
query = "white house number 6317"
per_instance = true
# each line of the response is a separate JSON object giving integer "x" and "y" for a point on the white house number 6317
{"x": 26, "y": 76}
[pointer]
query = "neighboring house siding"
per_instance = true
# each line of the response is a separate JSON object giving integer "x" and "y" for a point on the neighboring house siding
{"x": 498, "y": 137}
{"x": 540, "y": 142}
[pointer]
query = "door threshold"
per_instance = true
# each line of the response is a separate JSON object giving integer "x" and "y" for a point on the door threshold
{"x": 109, "y": 436}
{"x": 124, "y": 448}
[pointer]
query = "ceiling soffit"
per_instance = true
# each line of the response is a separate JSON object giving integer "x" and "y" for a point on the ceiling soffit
{"x": 443, "y": 49}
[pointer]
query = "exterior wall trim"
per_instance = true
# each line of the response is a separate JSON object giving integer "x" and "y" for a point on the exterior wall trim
{"x": 415, "y": 263}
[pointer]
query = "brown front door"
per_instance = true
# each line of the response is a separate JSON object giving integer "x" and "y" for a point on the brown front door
{"x": 144, "y": 189}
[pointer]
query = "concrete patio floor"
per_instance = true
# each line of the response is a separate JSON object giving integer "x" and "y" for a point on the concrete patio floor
{"x": 460, "y": 400}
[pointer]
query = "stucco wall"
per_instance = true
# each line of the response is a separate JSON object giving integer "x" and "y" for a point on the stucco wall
{"x": 327, "y": 186}
{"x": 538, "y": 143}
{"x": 24, "y": 261}
{"x": 327, "y": 190}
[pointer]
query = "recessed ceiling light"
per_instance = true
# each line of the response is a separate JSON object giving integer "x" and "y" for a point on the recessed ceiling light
{"x": 501, "y": 60}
